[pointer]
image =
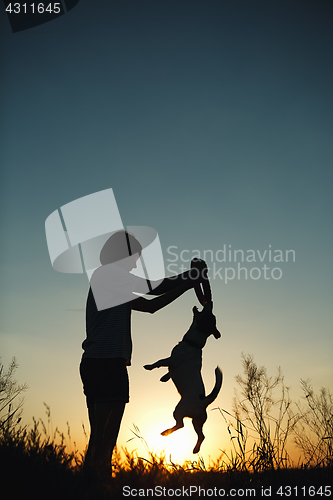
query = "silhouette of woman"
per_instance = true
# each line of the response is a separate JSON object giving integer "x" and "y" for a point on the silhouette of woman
{"x": 108, "y": 345}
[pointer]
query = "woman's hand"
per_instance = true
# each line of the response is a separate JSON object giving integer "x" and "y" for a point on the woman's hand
{"x": 200, "y": 266}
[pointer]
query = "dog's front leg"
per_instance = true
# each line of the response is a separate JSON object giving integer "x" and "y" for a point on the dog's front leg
{"x": 158, "y": 364}
{"x": 165, "y": 377}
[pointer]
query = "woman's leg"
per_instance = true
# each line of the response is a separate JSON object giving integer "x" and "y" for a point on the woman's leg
{"x": 88, "y": 465}
{"x": 105, "y": 419}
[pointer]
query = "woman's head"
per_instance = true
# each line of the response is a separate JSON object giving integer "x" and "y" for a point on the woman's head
{"x": 120, "y": 246}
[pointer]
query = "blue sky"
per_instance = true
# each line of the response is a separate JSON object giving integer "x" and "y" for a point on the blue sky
{"x": 212, "y": 122}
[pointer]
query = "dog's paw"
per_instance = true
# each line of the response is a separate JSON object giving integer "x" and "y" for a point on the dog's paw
{"x": 196, "y": 449}
{"x": 165, "y": 377}
{"x": 148, "y": 367}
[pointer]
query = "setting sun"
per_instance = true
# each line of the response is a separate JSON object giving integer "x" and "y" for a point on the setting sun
{"x": 178, "y": 446}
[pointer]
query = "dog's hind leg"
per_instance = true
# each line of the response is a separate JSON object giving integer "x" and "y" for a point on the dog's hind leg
{"x": 179, "y": 425}
{"x": 198, "y": 424}
{"x": 179, "y": 417}
{"x": 158, "y": 364}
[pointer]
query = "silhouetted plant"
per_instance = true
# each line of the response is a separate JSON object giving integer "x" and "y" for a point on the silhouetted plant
{"x": 10, "y": 402}
{"x": 262, "y": 418}
{"x": 314, "y": 430}
{"x": 236, "y": 459}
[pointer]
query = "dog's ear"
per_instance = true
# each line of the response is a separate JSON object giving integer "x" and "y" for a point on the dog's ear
{"x": 217, "y": 334}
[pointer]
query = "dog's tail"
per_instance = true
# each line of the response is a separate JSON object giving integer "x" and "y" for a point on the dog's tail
{"x": 217, "y": 387}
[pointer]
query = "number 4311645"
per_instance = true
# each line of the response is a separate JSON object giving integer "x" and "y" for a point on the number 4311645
{"x": 38, "y": 8}
{"x": 304, "y": 491}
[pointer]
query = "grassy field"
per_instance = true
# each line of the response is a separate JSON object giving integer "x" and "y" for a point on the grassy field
{"x": 35, "y": 465}
{"x": 42, "y": 469}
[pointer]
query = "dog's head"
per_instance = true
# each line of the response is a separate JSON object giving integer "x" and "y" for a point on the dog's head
{"x": 205, "y": 320}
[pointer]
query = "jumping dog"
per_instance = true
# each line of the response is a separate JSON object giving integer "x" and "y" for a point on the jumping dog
{"x": 185, "y": 365}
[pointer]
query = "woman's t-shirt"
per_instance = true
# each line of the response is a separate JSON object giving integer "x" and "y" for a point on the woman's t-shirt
{"x": 108, "y": 312}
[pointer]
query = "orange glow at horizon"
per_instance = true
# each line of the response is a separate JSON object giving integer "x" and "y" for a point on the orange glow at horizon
{"x": 177, "y": 447}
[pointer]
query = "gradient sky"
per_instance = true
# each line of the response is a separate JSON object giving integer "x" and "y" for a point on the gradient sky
{"x": 212, "y": 122}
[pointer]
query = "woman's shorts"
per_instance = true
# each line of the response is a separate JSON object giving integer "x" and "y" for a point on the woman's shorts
{"x": 104, "y": 379}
